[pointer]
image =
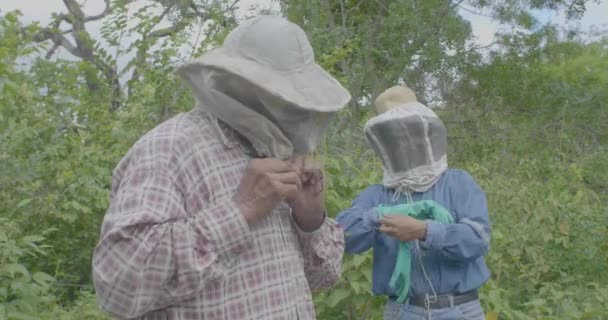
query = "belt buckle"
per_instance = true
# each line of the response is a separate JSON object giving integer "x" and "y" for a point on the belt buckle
{"x": 439, "y": 302}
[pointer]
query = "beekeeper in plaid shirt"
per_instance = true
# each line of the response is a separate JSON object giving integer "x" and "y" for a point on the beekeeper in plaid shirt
{"x": 213, "y": 213}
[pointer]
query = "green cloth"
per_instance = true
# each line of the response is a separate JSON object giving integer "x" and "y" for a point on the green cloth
{"x": 422, "y": 210}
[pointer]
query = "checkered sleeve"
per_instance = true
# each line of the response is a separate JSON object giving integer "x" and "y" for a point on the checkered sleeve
{"x": 153, "y": 252}
{"x": 322, "y": 250}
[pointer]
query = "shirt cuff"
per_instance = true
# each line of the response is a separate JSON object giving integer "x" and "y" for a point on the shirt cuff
{"x": 318, "y": 240}
{"x": 227, "y": 227}
{"x": 313, "y": 231}
{"x": 435, "y": 235}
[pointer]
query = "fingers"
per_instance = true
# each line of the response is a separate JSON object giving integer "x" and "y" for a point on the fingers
{"x": 313, "y": 177}
{"x": 305, "y": 162}
{"x": 394, "y": 219}
{"x": 288, "y": 178}
{"x": 388, "y": 225}
{"x": 320, "y": 184}
{"x": 265, "y": 183}
{"x": 313, "y": 182}
{"x": 286, "y": 185}
{"x": 388, "y": 220}
{"x": 319, "y": 187}
{"x": 299, "y": 161}
{"x": 385, "y": 228}
{"x": 296, "y": 170}
{"x": 288, "y": 191}
{"x": 316, "y": 175}
{"x": 305, "y": 177}
{"x": 273, "y": 165}
{"x": 389, "y": 230}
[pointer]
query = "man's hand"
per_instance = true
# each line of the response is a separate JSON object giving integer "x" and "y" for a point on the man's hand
{"x": 265, "y": 183}
{"x": 309, "y": 205}
{"x": 313, "y": 185}
{"x": 403, "y": 228}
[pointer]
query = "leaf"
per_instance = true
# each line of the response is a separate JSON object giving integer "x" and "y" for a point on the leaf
{"x": 491, "y": 315}
{"x": 497, "y": 235}
{"x": 3, "y": 236}
{"x": 42, "y": 278}
{"x": 358, "y": 260}
{"x": 564, "y": 228}
{"x": 537, "y": 302}
{"x": 21, "y": 316}
{"x": 32, "y": 239}
{"x": 24, "y": 202}
{"x": 14, "y": 268}
{"x": 336, "y": 296}
{"x": 368, "y": 275}
{"x": 356, "y": 286}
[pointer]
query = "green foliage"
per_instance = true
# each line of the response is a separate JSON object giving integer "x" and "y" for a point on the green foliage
{"x": 537, "y": 145}
{"x": 539, "y": 152}
{"x": 24, "y": 292}
{"x": 359, "y": 42}
{"x": 351, "y": 298}
{"x": 84, "y": 308}
{"x": 530, "y": 124}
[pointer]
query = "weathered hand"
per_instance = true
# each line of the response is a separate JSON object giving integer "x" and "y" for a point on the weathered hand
{"x": 403, "y": 228}
{"x": 265, "y": 183}
{"x": 313, "y": 184}
{"x": 309, "y": 205}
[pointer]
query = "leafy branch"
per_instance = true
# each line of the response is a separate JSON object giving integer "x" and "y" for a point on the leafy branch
{"x": 78, "y": 42}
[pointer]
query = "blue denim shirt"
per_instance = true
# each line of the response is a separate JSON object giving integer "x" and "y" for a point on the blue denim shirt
{"x": 452, "y": 254}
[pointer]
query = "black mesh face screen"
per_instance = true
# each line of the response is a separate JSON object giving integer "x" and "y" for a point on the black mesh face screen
{"x": 438, "y": 136}
{"x": 403, "y": 142}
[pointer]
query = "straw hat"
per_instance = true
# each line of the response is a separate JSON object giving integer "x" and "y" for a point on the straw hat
{"x": 274, "y": 55}
{"x": 394, "y": 97}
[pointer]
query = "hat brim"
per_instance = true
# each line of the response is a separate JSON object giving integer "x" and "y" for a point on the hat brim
{"x": 309, "y": 88}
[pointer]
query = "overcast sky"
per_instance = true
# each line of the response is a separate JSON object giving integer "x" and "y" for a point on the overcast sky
{"x": 596, "y": 17}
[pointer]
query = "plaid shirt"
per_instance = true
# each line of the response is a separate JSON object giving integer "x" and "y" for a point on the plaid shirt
{"x": 174, "y": 246}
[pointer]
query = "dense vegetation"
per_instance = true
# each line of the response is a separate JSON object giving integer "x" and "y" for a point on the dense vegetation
{"x": 529, "y": 120}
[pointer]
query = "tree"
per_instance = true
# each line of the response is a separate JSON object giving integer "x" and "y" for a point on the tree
{"x": 181, "y": 15}
{"x": 371, "y": 45}
{"x": 539, "y": 150}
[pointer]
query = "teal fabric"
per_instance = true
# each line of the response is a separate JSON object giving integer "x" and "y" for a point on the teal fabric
{"x": 422, "y": 210}
{"x": 454, "y": 253}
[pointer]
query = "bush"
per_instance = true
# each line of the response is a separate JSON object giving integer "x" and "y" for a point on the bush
{"x": 531, "y": 126}
{"x": 24, "y": 292}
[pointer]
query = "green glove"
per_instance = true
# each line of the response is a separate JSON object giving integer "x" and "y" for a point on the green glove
{"x": 421, "y": 210}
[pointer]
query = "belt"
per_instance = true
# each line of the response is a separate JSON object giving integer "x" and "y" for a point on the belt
{"x": 444, "y": 301}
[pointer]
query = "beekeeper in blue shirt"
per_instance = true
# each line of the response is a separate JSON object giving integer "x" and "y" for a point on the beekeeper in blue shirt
{"x": 447, "y": 260}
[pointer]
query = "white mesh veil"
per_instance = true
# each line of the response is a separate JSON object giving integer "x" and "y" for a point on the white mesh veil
{"x": 411, "y": 141}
